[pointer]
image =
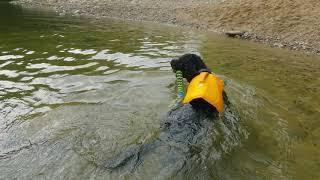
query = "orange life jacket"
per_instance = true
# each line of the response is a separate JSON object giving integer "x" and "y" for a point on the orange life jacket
{"x": 208, "y": 87}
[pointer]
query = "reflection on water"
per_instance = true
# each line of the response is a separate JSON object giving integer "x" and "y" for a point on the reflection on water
{"x": 55, "y": 58}
{"x": 75, "y": 92}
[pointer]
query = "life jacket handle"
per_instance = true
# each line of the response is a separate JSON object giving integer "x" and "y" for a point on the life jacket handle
{"x": 203, "y": 76}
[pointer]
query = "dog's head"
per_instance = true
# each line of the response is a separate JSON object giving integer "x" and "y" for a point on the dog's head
{"x": 190, "y": 65}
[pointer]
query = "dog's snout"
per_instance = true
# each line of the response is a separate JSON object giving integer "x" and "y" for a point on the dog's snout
{"x": 174, "y": 64}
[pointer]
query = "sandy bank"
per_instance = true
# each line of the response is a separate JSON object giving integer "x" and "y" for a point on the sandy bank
{"x": 291, "y": 24}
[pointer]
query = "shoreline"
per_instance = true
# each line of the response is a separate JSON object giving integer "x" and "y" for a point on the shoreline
{"x": 200, "y": 15}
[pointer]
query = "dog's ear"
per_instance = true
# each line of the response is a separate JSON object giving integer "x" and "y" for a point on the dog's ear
{"x": 195, "y": 61}
{"x": 192, "y": 64}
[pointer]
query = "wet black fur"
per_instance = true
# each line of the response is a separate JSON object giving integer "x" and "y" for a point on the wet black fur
{"x": 192, "y": 65}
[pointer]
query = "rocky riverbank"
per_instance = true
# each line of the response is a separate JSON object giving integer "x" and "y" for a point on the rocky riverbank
{"x": 291, "y": 24}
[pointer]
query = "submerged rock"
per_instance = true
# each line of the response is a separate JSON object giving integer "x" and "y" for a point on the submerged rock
{"x": 234, "y": 33}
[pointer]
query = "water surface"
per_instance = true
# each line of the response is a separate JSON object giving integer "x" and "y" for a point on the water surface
{"x": 75, "y": 92}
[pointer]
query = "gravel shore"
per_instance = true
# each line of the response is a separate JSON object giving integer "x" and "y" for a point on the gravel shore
{"x": 278, "y": 23}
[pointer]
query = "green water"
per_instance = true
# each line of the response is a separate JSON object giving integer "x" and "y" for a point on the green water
{"x": 75, "y": 91}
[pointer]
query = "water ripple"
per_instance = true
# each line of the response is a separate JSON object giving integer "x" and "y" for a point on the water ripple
{"x": 7, "y": 57}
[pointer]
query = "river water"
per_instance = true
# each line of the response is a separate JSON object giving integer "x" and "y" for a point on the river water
{"x": 75, "y": 92}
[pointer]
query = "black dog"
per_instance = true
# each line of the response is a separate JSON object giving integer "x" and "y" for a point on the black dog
{"x": 184, "y": 129}
{"x": 191, "y": 66}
